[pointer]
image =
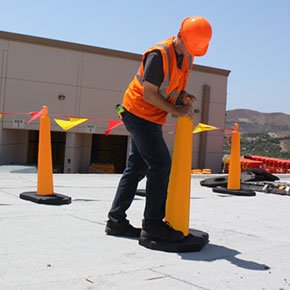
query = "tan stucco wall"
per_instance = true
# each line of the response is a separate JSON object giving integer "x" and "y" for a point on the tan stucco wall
{"x": 77, "y": 152}
{"x": 35, "y": 71}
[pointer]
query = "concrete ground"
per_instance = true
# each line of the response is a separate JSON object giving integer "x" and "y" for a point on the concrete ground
{"x": 65, "y": 247}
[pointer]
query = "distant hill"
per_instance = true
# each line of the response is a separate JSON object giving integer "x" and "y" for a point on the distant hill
{"x": 266, "y": 134}
{"x": 256, "y": 122}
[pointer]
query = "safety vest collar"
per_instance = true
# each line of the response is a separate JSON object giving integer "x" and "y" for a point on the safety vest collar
{"x": 165, "y": 84}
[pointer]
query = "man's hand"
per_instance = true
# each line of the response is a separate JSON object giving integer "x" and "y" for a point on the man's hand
{"x": 184, "y": 96}
{"x": 186, "y": 110}
{"x": 152, "y": 96}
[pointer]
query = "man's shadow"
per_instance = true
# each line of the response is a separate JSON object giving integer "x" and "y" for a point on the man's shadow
{"x": 212, "y": 252}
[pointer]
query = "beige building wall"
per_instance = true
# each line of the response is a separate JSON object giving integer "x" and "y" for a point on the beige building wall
{"x": 77, "y": 152}
{"x": 35, "y": 71}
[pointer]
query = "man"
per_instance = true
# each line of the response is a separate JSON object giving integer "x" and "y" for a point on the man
{"x": 157, "y": 87}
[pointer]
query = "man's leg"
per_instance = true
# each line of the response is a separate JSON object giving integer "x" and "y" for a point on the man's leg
{"x": 134, "y": 172}
{"x": 151, "y": 146}
{"x": 117, "y": 224}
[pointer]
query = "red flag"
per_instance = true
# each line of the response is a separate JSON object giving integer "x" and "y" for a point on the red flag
{"x": 173, "y": 132}
{"x": 113, "y": 124}
{"x": 36, "y": 115}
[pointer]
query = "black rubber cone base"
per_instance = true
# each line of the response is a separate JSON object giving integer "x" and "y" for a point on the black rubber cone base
{"x": 239, "y": 192}
{"x": 141, "y": 192}
{"x": 55, "y": 199}
{"x": 191, "y": 243}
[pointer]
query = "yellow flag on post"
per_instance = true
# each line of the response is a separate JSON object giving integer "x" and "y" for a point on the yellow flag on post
{"x": 0, "y": 116}
{"x": 66, "y": 125}
{"x": 203, "y": 127}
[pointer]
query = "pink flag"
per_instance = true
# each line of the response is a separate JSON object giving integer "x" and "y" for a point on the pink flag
{"x": 113, "y": 124}
{"x": 36, "y": 115}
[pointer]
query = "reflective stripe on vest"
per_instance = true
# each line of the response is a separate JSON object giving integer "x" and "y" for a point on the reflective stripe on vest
{"x": 165, "y": 83}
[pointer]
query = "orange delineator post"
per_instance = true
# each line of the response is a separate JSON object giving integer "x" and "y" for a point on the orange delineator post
{"x": 234, "y": 178}
{"x": 44, "y": 193}
{"x": 45, "y": 178}
{"x": 178, "y": 198}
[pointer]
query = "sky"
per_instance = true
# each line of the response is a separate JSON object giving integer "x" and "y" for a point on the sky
{"x": 251, "y": 38}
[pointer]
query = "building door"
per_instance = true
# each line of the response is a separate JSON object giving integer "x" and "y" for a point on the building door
{"x": 109, "y": 151}
{"x": 57, "y": 147}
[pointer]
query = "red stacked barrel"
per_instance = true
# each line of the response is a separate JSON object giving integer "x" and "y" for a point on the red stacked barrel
{"x": 269, "y": 164}
{"x": 272, "y": 165}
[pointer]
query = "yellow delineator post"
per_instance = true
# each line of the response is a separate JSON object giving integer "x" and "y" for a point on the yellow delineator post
{"x": 178, "y": 198}
{"x": 45, "y": 177}
{"x": 234, "y": 178}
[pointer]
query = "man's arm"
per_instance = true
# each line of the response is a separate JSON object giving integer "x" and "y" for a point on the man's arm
{"x": 152, "y": 96}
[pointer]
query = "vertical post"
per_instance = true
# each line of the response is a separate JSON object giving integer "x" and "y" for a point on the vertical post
{"x": 204, "y": 119}
{"x": 234, "y": 178}
{"x": 178, "y": 198}
{"x": 44, "y": 193}
{"x": 45, "y": 177}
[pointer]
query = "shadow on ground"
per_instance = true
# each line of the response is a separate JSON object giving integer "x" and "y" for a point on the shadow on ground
{"x": 212, "y": 252}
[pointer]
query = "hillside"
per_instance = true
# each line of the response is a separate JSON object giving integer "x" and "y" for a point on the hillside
{"x": 266, "y": 134}
{"x": 256, "y": 122}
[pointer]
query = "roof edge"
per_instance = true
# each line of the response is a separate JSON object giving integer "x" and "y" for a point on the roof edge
{"x": 67, "y": 45}
{"x": 213, "y": 70}
{"x": 93, "y": 49}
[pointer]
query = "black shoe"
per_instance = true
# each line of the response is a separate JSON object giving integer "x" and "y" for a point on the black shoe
{"x": 162, "y": 231}
{"x": 124, "y": 229}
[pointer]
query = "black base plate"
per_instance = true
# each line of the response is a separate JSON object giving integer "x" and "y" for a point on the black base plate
{"x": 55, "y": 199}
{"x": 239, "y": 192}
{"x": 191, "y": 243}
{"x": 141, "y": 192}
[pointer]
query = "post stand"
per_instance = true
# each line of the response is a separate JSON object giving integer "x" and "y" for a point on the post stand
{"x": 193, "y": 242}
{"x": 52, "y": 199}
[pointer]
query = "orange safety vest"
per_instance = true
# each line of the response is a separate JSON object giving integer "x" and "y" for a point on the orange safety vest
{"x": 173, "y": 83}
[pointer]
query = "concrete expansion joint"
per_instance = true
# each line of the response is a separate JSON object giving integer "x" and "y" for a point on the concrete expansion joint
{"x": 158, "y": 276}
{"x": 54, "y": 282}
{"x": 5, "y": 192}
{"x": 118, "y": 273}
{"x": 177, "y": 279}
{"x": 87, "y": 220}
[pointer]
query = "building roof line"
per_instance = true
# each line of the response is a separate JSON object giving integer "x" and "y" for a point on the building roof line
{"x": 93, "y": 49}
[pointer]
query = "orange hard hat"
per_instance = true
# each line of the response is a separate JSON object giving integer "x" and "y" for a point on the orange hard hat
{"x": 196, "y": 34}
